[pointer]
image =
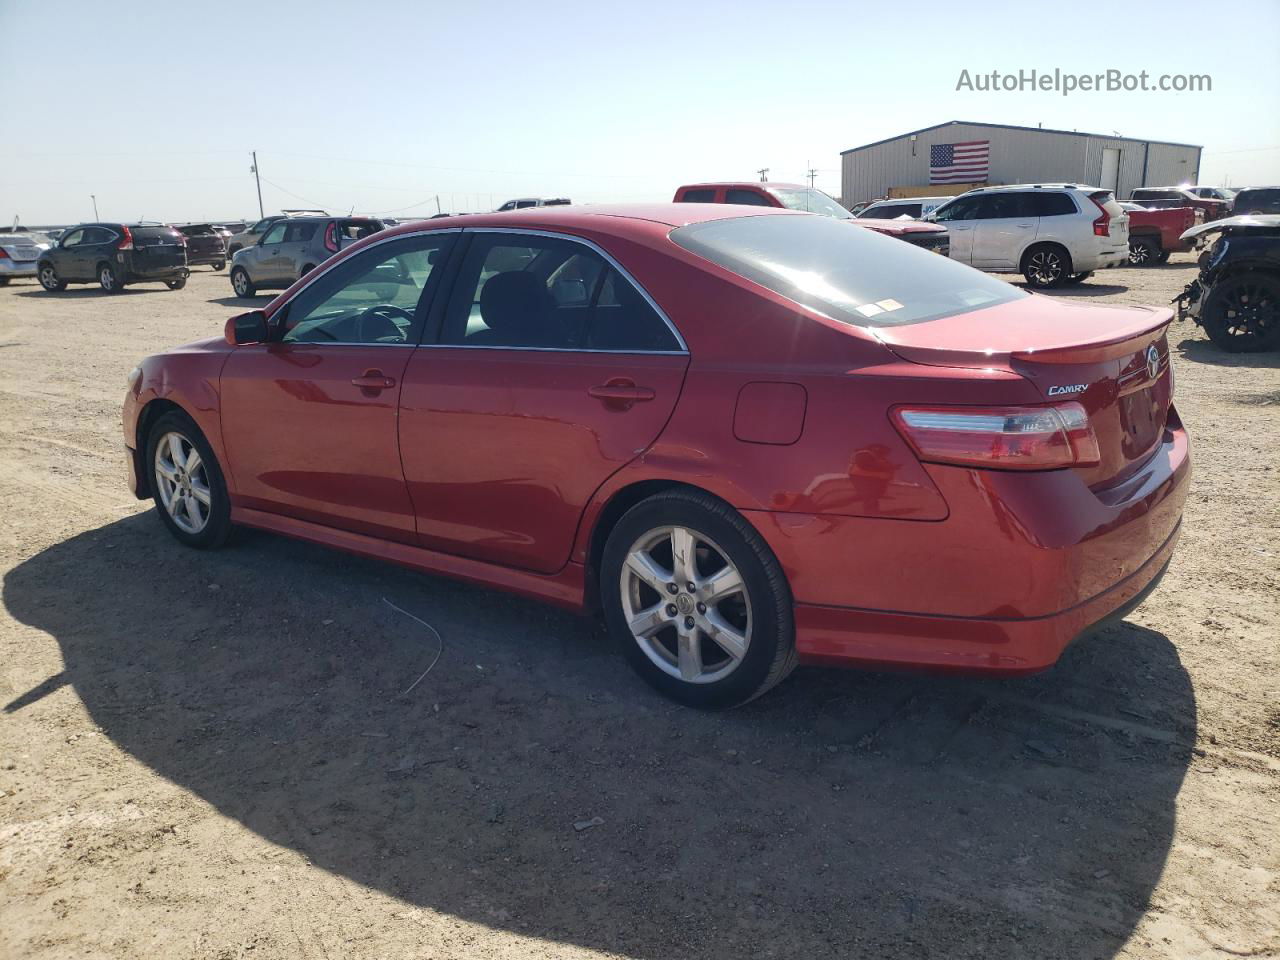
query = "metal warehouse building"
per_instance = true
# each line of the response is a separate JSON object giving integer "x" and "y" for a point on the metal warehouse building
{"x": 949, "y": 158}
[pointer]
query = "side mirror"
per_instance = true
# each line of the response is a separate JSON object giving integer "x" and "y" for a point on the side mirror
{"x": 246, "y": 328}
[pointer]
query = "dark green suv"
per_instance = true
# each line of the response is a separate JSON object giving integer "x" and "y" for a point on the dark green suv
{"x": 115, "y": 254}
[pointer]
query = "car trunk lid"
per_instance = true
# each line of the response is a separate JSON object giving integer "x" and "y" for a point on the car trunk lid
{"x": 1114, "y": 361}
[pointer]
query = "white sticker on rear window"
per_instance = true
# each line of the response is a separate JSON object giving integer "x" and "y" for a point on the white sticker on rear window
{"x": 870, "y": 309}
{"x": 889, "y": 304}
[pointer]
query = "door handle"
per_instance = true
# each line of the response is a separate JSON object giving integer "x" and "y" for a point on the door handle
{"x": 373, "y": 380}
{"x": 621, "y": 392}
{"x": 959, "y": 228}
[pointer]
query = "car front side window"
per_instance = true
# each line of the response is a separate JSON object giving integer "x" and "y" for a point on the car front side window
{"x": 379, "y": 296}
{"x": 73, "y": 238}
{"x": 275, "y": 234}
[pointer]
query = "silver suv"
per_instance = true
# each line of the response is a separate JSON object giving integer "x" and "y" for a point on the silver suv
{"x": 1051, "y": 233}
{"x": 292, "y": 247}
{"x": 251, "y": 235}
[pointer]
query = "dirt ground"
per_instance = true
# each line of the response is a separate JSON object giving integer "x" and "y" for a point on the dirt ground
{"x": 210, "y": 756}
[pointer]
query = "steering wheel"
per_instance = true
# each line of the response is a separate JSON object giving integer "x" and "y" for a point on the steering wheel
{"x": 384, "y": 311}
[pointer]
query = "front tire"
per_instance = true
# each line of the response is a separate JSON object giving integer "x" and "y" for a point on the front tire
{"x": 697, "y": 600}
{"x": 177, "y": 284}
{"x": 241, "y": 283}
{"x": 1077, "y": 278}
{"x": 1242, "y": 314}
{"x": 109, "y": 279}
{"x": 187, "y": 483}
{"x": 1046, "y": 266}
{"x": 219, "y": 266}
{"x": 49, "y": 279}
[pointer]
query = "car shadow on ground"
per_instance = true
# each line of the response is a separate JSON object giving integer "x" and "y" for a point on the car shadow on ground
{"x": 844, "y": 813}
{"x": 79, "y": 293}
{"x": 1202, "y": 350}
{"x": 246, "y": 302}
{"x": 1086, "y": 289}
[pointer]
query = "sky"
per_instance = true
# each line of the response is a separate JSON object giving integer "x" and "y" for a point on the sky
{"x": 381, "y": 107}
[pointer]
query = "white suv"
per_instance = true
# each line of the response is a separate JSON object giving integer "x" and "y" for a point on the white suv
{"x": 1051, "y": 233}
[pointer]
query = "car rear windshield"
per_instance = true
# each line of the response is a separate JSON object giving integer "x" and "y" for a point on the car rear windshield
{"x": 155, "y": 234}
{"x": 198, "y": 230}
{"x": 843, "y": 271}
{"x": 810, "y": 200}
{"x": 891, "y": 211}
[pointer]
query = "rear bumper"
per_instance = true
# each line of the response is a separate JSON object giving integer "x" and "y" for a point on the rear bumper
{"x": 17, "y": 268}
{"x": 1023, "y": 563}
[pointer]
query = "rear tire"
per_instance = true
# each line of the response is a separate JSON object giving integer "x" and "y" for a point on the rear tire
{"x": 181, "y": 489}
{"x": 1076, "y": 278}
{"x": 49, "y": 279}
{"x": 177, "y": 284}
{"x": 219, "y": 266}
{"x": 1242, "y": 314}
{"x": 740, "y": 596}
{"x": 1164, "y": 256}
{"x": 241, "y": 283}
{"x": 109, "y": 279}
{"x": 1143, "y": 252}
{"x": 1046, "y": 266}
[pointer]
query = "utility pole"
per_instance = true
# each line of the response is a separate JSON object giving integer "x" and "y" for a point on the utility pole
{"x": 812, "y": 174}
{"x": 763, "y": 171}
{"x": 94, "y": 198}
{"x": 254, "y": 170}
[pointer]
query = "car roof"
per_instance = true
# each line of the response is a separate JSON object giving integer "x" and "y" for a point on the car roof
{"x": 605, "y": 218}
{"x": 744, "y": 185}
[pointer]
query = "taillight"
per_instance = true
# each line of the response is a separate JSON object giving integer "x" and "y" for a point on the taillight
{"x": 1101, "y": 226}
{"x": 126, "y": 240}
{"x": 1000, "y": 438}
{"x": 4, "y": 254}
{"x": 331, "y": 237}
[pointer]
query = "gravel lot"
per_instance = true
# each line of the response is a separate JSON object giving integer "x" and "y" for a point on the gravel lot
{"x": 208, "y": 755}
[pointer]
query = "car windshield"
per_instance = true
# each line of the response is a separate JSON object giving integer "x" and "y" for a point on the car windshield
{"x": 852, "y": 275}
{"x": 810, "y": 200}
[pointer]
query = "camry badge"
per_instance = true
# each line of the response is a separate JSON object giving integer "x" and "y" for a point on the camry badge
{"x": 1153, "y": 361}
{"x": 1067, "y": 388}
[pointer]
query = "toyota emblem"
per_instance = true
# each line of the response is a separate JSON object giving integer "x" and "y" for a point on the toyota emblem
{"x": 1153, "y": 361}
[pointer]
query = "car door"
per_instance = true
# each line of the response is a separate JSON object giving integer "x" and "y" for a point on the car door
{"x": 551, "y": 371}
{"x": 1005, "y": 226}
{"x": 99, "y": 246}
{"x": 266, "y": 263}
{"x": 295, "y": 252}
{"x": 309, "y": 418}
{"x": 66, "y": 256}
{"x": 960, "y": 217}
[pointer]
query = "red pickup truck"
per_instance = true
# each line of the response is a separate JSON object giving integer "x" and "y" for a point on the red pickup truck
{"x": 1154, "y": 234}
{"x": 931, "y": 236}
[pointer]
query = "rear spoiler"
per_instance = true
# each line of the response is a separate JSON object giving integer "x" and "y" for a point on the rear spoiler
{"x": 1106, "y": 350}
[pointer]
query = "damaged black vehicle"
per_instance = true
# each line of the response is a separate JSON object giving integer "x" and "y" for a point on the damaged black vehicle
{"x": 1236, "y": 298}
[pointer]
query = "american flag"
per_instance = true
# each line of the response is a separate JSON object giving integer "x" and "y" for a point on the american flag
{"x": 959, "y": 162}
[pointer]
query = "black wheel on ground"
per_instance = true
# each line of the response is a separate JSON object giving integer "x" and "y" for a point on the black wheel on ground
{"x": 1046, "y": 265}
{"x": 187, "y": 483}
{"x": 49, "y": 279}
{"x": 219, "y": 265}
{"x": 1077, "y": 278}
{"x": 241, "y": 283}
{"x": 1163, "y": 256}
{"x": 109, "y": 278}
{"x": 1242, "y": 313}
{"x": 697, "y": 600}
{"x": 177, "y": 284}
{"x": 1143, "y": 251}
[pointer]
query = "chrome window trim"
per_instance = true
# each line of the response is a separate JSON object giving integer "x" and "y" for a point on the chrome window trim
{"x": 330, "y": 264}
{"x": 609, "y": 259}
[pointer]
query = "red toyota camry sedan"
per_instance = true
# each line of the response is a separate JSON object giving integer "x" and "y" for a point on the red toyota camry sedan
{"x": 754, "y": 437}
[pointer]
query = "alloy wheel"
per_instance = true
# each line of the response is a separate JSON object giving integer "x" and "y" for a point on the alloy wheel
{"x": 240, "y": 283}
{"x": 107, "y": 279}
{"x": 48, "y": 278}
{"x": 1139, "y": 253}
{"x": 686, "y": 604}
{"x": 1045, "y": 267}
{"x": 1250, "y": 310}
{"x": 183, "y": 483}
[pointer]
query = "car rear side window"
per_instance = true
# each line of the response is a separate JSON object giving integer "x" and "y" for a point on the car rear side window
{"x": 300, "y": 232}
{"x": 535, "y": 292}
{"x": 698, "y": 196}
{"x": 892, "y": 211}
{"x": 1051, "y": 205}
{"x": 748, "y": 197}
{"x": 846, "y": 273}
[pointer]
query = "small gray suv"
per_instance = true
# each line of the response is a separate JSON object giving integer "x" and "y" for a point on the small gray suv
{"x": 292, "y": 248}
